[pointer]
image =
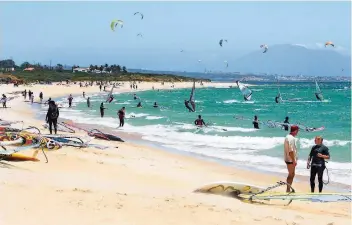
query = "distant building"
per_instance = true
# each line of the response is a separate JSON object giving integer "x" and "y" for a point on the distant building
{"x": 83, "y": 70}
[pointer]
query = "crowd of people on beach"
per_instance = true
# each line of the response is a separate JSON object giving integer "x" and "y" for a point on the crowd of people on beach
{"x": 316, "y": 161}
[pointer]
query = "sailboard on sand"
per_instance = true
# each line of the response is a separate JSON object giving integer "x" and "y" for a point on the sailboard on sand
{"x": 251, "y": 193}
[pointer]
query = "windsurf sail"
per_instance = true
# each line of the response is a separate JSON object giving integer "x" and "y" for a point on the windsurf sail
{"x": 246, "y": 92}
{"x": 318, "y": 93}
{"x": 278, "y": 97}
{"x": 110, "y": 94}
{"x": 192, "y": 97}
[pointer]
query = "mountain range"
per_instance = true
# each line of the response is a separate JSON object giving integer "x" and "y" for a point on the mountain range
{"x": 290, "y": 59}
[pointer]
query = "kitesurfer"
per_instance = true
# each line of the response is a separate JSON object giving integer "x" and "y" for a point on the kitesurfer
{"x": 290, "y": 154}
{"x": 52, "y": 116}
{"x": 102, "y": 109}
{"x": 287, "y": 122}
{"x": 121, "y": 114}
{"x": 88, "y": 102}
{"x": 155, "y": 105}
{"x": 199, "y": 122}
{"x": 256, "y": 122}
{"x": 188, "y": 107}
{"x": 70, "y": 98}
{"x": 139, "y": 105}
{"x": 316, "y": 162}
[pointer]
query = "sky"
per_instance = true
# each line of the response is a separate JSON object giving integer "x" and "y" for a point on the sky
{"x": 79, "y": 32}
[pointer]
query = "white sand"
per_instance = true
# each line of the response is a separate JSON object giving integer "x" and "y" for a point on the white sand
{"x": 133, "y": 184}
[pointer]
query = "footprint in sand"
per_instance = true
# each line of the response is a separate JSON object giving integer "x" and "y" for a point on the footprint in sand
{"x": 82, "y": 190}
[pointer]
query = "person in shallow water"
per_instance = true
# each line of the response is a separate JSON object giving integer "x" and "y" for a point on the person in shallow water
{"x": 88, "y": 102}
{"x": 102, "y": 109}
{"x": 316, "y": 162}
{"x": 139, "y": 105}
{"x": 199, "y": 122}
{"x": 286, "y": 121}
{"x": 256, "y": 122}
{"x": 155, "y": 105}
{"x": 290, "y": 155}
{"x": 121, "y": 114}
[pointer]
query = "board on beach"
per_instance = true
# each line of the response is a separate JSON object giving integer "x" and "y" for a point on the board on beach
{"x": 19, "y": 157}
{"x": 229, "y": 188}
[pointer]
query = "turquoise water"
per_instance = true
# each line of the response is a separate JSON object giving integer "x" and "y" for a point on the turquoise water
{"x": 233, "y": 139}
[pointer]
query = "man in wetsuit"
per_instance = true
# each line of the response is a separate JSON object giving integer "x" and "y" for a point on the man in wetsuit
{"x": 290, "y": 155}
{"x": 102, "y": 110}
{"x": 316, "y": 162}
{"x": 199, "y": 122}
{"x": 286, "y": 121}
{"x": 88, "y": 102}
{"x": 70, "y": 98}
{"x": 139, "y": 105}
{"x": 256, "y": 122}
{"x": 52, "y": 115}
{"x": 121, "y": 114}
{"x": 155, "y": 105}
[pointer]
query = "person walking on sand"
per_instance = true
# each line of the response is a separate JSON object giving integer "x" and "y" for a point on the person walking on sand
{"x": 52, "y": 115}
{"x": 4, "y": 100}
{"x": 121, "y": 114}
{"x": 290, "y": 154}
{"x": 41, "y": 96}
{"x": 316, "y": 162}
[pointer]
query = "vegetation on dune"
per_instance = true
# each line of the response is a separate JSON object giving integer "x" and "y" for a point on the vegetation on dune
{"x": 27, "y": 72}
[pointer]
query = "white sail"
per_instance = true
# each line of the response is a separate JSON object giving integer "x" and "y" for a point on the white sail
{"x": 247, "y": 93}
{"x": 192, "y": 97}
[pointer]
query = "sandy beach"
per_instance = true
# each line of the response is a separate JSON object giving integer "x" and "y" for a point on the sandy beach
{"x": 134, "y": 184}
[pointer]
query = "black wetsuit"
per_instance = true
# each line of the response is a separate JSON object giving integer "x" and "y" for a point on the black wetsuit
{"x": 88, "y": 102}
{"x": 70, "y": 102}
{"x": 51, "y": 117}
{"x": 102, "y": 111}
{"x": 317, "y": 165}
{"x": 317, "y": 96}
{"x": 286, "y": 126}
{"x": 277, "y": 99}
{"x": 256, "y": 124}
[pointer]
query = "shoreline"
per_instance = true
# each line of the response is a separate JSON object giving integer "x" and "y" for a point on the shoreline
{"x": 126, "y": 184}
{"x": 138, "y": 140}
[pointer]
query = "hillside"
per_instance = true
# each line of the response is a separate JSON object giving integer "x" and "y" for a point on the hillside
{"x": 293, "y": 59}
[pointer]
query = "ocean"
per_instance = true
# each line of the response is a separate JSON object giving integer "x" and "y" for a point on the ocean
{"x": 227, "y": 138}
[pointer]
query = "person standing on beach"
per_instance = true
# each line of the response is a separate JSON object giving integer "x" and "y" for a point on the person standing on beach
{"x": 52, "y": 116}
{"x": 84, "y": 94}
{"x": 41, "y": 96}
{"x": 290, "y": 155}
{"x": 121, "y": 114}
{"x": 100, "y": 87}
{"x": 4, "y": 100}
{"x": 316, "y": 162}
{"x": 32, "y": 98}
{"x": 70, "y": 98}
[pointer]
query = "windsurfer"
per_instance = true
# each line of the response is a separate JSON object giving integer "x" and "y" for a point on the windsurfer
{"x": 111, "y": 98}
{"x": 256, "y": 122}
{"x": 199, "y": 122}
{"x": 316, "y": 162}
{"x": 52, "y": 116}
{"x": 121, "y": 114}
{"x": 290, "y": 155}
{"x": 155, "y": 105}
{"x": 187, "y": 106}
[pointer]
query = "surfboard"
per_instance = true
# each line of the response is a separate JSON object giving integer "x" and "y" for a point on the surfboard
{"x": 19, "y": 157}
{"x": 229, "y": 188}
